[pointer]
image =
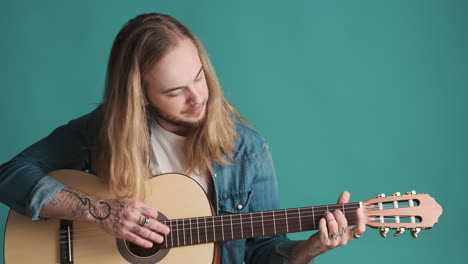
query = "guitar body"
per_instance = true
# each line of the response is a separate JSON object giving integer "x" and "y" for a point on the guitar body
{"x": 174, "y": 195}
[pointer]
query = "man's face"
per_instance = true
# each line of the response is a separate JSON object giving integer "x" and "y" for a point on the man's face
{"x": 177, "y": 89}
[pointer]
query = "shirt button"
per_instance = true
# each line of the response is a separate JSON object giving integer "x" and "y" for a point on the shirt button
{"x": 240, "y": 206}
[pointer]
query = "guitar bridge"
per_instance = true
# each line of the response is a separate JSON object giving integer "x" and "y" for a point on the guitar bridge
{"x": 66, "y": 242}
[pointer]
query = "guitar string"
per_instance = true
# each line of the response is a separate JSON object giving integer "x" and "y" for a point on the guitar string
{"x": 236, "y": 230}
{"x": 253, "y": 213}
{"x": 209, "y": 225}
{"x": 183, "y": 228}
{"x": 291, "y": 215}
{"x": 280, "y": 214}
{"x": 254, "y": 216}
{"x": 175, "y": 232}
{"x": 339, "y": 206}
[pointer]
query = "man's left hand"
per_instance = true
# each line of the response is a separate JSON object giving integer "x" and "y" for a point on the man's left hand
{"x": 333, "y": 232}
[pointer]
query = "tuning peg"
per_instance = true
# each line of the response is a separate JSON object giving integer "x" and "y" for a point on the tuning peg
{"x": 412, "y": 192}
{"x": 399, "y": 231}
{"x": 383, "y": 231}
{"x": 381, "y": 195}
{"x": 415, "y": 231}
{"x": 397, "y": 194}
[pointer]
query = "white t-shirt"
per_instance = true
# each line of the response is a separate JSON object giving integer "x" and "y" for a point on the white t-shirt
{"x": 168, "y": 156}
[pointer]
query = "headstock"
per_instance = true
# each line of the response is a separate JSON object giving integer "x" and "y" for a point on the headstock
{"x": 410, "y": 211}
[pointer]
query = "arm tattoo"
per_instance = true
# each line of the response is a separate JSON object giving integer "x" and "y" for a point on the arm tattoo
{"x": 117, "y": 216}
{"x": 101, "y": 213}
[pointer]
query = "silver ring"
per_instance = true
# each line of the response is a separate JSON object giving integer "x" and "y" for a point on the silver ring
{"x": 151, "y": 232}
{"x": 147, "y": 221}
{"x": 334, "y": 236}
{"x": 356, "y": 235}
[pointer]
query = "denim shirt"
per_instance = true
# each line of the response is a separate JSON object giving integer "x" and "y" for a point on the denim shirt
{"x": 249, "y": 184}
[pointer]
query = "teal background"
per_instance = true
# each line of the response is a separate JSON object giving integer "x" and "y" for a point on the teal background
{"x": 365, "y": 96}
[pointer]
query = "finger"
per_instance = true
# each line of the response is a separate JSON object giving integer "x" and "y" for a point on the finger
{"x": 341, "y": 221}
{"x": 360, "y": 227}
{"x": 332, "y": 226}
{"x": 342, "y": 227}
{"x": 138, "y": 240}
{"x": 153, "y": 236}
{"x": 153, "y": 224}
{"x": 158, "y": 227}
{"x": 323, "y": 231}
{"x": 147, "y": 234}
{"x": 344, "y": 197}
{"x": 148, "y": 211}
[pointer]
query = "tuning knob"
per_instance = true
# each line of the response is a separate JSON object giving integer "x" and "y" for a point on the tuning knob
{"x": 399, "y": 231}
{"x": 415, "y": 231}
{"x": 383, "y": 231}
{"x": 412, "y": 192}
{"x": 381, "y": 195}
{"x": 397, "y": 194}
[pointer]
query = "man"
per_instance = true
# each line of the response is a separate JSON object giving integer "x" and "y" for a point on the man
{"x": 163, "y": 111}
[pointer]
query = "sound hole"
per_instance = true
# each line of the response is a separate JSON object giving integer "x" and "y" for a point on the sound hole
{"x": 143, "y": 252}
{"x": 137, "y": 255}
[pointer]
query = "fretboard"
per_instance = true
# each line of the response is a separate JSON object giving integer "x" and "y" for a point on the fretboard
{"x": 191, "y": 231}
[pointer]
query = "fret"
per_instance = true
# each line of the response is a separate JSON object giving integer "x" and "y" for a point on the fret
{"x": 206, "y": 232}
{"x": 198, "y": 231}
{"x": 313, "y": 216}
{"x": 274, "y": 222}
{"x": 177, "y": 233}
{"x": 300, "y": 218}
{"x": 251, "y": 224}
{"x": 172, "y": 232}
{"x": 191, "y": 240}
{"x": 222, "y": 227}
{"x": 183, "y": 230}
{"x": 242, "y": 227}
{"x": 286, "y": 216}
{"x": 165, "y": 236}
{"x": 263, "y": 224}
{"x": 214, "y": 232}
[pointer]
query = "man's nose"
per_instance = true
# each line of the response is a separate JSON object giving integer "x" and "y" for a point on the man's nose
{"x": 195, "y": 96}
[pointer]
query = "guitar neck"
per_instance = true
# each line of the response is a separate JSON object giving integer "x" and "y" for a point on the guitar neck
{"x": 191, "y": 231}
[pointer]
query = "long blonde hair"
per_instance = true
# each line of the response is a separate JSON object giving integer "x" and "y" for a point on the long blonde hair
{"x": 123, "y": 151}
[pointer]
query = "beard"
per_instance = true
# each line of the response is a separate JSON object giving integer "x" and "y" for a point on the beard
{"x": 156, "y": 112}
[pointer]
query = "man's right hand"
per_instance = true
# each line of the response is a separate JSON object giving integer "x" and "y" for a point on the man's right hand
{"x": 125, "y": 218}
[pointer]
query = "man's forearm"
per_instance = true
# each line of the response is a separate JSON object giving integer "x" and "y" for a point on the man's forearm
{"x": 75, "y": 205}
{"x": 302, "y": 253}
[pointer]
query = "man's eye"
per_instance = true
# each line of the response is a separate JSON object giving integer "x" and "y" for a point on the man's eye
{"x": 199, "y": 77}
{"x": 173, "y": 94}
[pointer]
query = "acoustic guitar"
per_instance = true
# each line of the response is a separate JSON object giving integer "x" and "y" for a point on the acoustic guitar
{"x": 196, "y": 233}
